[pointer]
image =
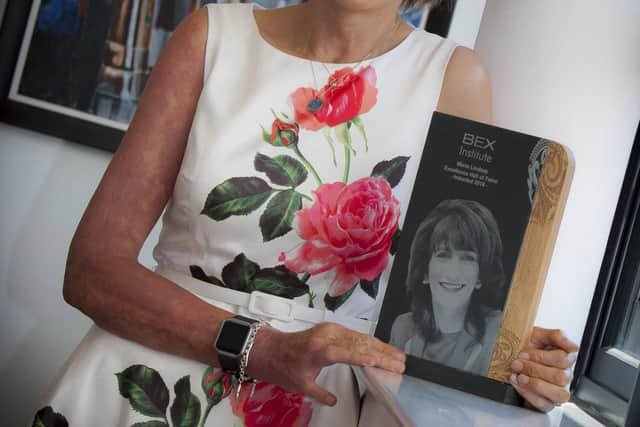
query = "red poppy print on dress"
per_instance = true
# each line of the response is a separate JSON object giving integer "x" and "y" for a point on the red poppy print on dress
{"x": 346, "y": 95}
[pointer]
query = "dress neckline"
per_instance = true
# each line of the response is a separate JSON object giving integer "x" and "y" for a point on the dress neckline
{"x": 400, "y": 46}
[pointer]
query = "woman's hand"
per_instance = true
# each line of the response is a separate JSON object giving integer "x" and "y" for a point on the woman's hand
{"x": 294, "y": 360}
{"x": 542, "y": 372}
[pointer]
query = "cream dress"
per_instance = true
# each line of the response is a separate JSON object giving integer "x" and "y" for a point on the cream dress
{"x": 295, "y": 179}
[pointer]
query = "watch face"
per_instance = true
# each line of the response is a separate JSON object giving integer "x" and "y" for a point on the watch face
{"x": 232, "y": 337}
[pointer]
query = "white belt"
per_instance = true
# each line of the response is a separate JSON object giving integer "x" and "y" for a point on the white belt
{"x": 264, "y": 305}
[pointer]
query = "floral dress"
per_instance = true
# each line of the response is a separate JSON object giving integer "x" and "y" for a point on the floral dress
{"x": 293, "y": 185}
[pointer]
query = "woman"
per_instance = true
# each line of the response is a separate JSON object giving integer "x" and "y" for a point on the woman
{"x": 455, "y": 283}
{"x": 325, "y": 80}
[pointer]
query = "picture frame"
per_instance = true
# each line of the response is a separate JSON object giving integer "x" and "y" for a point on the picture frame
{"x": 90, "y": 92}
{"x": 102, "y": 53}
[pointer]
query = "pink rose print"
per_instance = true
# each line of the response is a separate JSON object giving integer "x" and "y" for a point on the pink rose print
{"x": 349, "y": 227}
{"x": 346, "y": 95}
{"x": 271, "y": 406}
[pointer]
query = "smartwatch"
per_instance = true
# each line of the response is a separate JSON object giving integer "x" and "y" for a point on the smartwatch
{"x": 232, "y": 341}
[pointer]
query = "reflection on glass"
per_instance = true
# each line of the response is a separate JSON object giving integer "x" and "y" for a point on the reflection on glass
{"x": 630, "y": 336}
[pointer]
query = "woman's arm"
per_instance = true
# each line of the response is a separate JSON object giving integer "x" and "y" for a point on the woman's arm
{"x": 543, "y": 370}
{"x": 104, "y": 279}
{"x": 466, "y": 88}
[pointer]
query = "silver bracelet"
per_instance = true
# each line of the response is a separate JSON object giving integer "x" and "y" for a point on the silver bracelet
{"x": 244, "y": 359}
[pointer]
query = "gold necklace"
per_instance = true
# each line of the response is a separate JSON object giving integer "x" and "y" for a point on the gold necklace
{"x": 332, "y": 82}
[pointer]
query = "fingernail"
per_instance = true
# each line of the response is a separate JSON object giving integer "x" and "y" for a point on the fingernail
{"x": 399, "y": 356}
{"x": 571, "y": 357}
{"x": 523, "y": 379}
{"x": 398, "y": 367}
{"x": 517, "y": 365}
{"x": 569, "y": 373}
{"x": 514, "y": 379}
{"x": 523, "y": 356}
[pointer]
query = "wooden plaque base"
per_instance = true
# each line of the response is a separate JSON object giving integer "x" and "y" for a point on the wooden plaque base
{"x": 534, "y": 259}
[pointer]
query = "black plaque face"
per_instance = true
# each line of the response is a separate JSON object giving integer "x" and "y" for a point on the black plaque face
{"x": 459, "y": 246}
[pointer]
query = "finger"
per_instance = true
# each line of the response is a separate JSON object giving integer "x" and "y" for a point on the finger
{"x": 389, "y": 349}
{"x": 339, "y": 354}
{"x": 543, "y": 390}
{"x": 365, "y": 344}
{"x": 555, "y": 358}
{"x": 335, "y": 353}
{"x": 536, "y": 401}
{"x": 541, "y": 338}
{"x": 320, "y": 394}
{"x": 558, "y": 377}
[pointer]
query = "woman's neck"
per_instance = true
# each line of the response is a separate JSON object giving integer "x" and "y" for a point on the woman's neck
{"x": 327, "y": 31}
{"x": 449, "y": 320}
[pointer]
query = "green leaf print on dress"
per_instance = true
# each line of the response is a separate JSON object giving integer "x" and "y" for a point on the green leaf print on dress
{"x": 185, "y": 410}
{"x": 245, "y": 275}
{"x": 236, "y": 196}
{"x": 277, "y": 218}
{"x": 46, "y": 417}
{"x": 152, "y": 423}
{"x": 145, "y": 389}
{"x": 282, "y": 170}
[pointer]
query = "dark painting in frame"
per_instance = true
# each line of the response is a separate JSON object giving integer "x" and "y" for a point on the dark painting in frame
{"x": 78, "y": 77}
{"x": 76, "y": 69}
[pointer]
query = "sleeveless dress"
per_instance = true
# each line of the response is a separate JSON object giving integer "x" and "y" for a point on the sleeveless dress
{"x": 292, "y": 189}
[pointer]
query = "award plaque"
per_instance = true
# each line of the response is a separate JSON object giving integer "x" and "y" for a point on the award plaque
{"x": 473, "y": 253}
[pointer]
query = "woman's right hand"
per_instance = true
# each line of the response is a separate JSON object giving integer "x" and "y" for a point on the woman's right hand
{"x": 294, "y": 360}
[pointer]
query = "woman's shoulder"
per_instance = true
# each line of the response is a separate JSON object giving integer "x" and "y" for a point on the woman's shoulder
{"x": 402, "y": 330}
{"x": 195, "y": 26}
{"x": 405, "y": 320}
{"x": 466, "y": 89}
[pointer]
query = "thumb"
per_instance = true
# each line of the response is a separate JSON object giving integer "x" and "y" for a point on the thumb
{"x": 320, "y": 394}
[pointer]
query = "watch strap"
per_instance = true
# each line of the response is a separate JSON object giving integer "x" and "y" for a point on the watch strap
{"x": 229, "y": 364}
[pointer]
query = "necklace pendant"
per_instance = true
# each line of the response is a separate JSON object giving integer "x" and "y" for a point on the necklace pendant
{"x": 315, "y": 104}
{"x": 333, "y": 83}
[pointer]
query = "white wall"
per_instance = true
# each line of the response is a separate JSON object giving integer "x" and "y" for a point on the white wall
{"x": 570, "y": 71}
{"x": 45, "y": 184}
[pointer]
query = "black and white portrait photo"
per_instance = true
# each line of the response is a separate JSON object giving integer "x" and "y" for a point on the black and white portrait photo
{"x": 455, "y": 285}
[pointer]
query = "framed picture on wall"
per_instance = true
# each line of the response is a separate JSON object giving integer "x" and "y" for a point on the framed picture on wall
{"x": 80, "y": 66}
{"x": 75, "y": 69}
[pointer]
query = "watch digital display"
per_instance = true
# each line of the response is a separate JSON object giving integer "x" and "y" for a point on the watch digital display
{"x": 232, "y": 337}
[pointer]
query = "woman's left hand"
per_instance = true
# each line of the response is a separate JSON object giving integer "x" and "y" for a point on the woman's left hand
{"x": 542, "y": 372}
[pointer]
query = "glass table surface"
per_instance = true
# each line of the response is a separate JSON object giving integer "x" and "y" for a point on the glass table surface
{"x": 400, "y": 400}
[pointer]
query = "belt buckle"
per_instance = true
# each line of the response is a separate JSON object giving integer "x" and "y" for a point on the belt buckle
{"x": 272, "y": 306}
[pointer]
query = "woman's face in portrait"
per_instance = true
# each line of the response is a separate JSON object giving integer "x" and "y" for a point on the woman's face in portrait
{"x": 453, "y": 275}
